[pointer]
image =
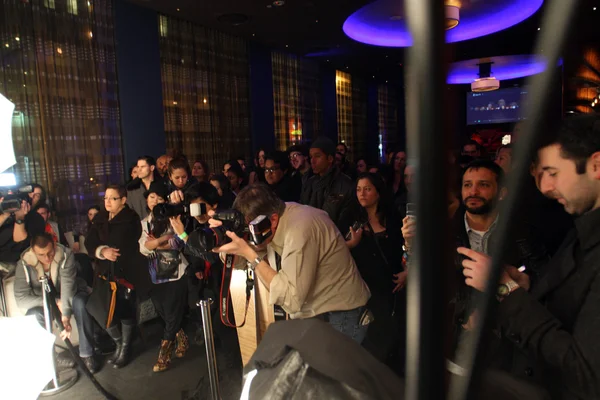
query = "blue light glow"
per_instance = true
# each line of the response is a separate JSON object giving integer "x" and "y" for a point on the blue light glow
{"x": 503, "y": 68}
{"x": 380, "y": 23}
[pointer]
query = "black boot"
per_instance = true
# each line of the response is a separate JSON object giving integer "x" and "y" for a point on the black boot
{"x": 123, "y": 357}
{"x": 115, "y": 333}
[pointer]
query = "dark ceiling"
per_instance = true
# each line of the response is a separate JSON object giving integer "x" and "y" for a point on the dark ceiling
{"x": 305, "y": 27}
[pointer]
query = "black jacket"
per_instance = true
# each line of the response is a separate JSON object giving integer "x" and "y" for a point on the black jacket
{"x": 10, "y": 251}
{"x": 555, "y": 328}
{"x": 525, "y": 250}
{"x": 288, "y": 188}
{"x": 333, "y": 193}
{"x": 122, "y": 232}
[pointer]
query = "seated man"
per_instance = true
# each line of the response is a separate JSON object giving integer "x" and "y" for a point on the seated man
{"x": 309, "y": 271}
{"x": 58, "y": 263}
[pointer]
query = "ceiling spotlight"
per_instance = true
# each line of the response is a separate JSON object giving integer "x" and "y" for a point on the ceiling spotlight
{"x": 174, "y": 103}
{"x": 594, "y": 8}
{"x": 452, "y": 16}
{"x": 287, "y": 45}
{"x": 6, "y": 45}
{"x": 204, "y": 101}
{"x": 17, "y": 39}
{"x": 59, "y": 50}
{"x": 91, "y": 35}
{"x": 539, "y": 29}
{"x": 278, "y": 3}
{"x": 179, "y": 9}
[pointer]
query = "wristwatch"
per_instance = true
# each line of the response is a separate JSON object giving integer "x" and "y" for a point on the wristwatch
{"x": 19, "y": 222}
{"x": 504, "y": 289}
{"x": 254, "y": 263}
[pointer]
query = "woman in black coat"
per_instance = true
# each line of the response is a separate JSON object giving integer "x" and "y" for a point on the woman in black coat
{"x": 113, "y": 240}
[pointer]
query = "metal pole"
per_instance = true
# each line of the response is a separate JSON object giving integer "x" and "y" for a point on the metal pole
{"x": 554, "y": 35}
{"x": 209, "y": 340}
{"x": 48, "y": 321}
{"x": 425, "y": 134}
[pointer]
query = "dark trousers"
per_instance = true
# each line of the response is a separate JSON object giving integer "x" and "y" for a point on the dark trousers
{"x": 169, "y": 299}
{"x": 84, "y": 321}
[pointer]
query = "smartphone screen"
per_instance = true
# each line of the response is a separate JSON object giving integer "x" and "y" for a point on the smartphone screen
{"x": 411, "y": 210}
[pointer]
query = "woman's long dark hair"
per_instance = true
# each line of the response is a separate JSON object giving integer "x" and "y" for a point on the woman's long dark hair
{"x": 384, "y": 203}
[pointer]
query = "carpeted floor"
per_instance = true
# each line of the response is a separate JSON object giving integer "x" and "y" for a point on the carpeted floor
{"x": 187, "y": 379}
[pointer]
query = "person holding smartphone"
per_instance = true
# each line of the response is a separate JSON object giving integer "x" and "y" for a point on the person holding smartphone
{"x": 374, "y": 240}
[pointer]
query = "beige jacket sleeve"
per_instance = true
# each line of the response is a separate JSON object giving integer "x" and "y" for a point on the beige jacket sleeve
{"x": 290, "y": 287}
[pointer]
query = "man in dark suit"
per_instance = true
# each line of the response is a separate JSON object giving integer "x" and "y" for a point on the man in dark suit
{"x": 555, "y": 327}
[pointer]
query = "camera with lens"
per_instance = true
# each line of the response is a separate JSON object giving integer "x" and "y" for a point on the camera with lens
{"x": 164, "y": 211}
{"x": 13, "y": 197}
{"x": 206, "y": 239}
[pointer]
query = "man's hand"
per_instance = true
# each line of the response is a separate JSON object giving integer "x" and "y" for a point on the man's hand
{"x": 176, "y": 197}
{"x": 522, "y": 279}
{"x": 76, "y": 247}
{"x": 66, "y": 333}
{"x": 237, "y": 246}
{"x": 199, "y": 275}
{"x": 22, "y": 212}
{"x": 110, "y": 253}
{"x": 477, "y": 268}
{"x": 400, "y": 281}
{"x": 409, "y": 230}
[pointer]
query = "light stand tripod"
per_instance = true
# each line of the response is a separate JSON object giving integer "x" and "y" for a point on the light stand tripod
{"x": 51, "y": 310}
{"x": 58, "y": 383}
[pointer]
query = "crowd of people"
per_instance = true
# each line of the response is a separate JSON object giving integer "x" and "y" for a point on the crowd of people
{"x": 339, "y": 248}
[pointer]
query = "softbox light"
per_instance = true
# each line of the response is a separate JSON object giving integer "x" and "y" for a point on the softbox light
{"x": 26, "y": 365}
{"x": 7, "y": 152}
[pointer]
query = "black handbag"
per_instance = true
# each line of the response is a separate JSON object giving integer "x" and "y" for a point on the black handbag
{"x": 102, "y": 301}
{"x": 167, "y": 264}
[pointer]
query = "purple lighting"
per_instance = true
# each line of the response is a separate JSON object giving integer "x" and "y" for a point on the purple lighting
{"x": 503, "y": 68}
{"x": 382, "y": 23}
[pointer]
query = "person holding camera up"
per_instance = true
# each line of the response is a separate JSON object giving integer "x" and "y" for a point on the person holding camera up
{"x": 17, "y": 226}
{"x": 166, "y": 265}
{"x": 113, "y": 240}
{"x": 309, "y": 270}
{"x": 180, "y": 178}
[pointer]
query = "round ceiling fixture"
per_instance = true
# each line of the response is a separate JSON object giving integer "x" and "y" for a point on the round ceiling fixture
{"x": 452, "y": 16}
{"x": 501, "y": 68}
{"x": 382, "y": 22}
{"x": 278, "y": 3}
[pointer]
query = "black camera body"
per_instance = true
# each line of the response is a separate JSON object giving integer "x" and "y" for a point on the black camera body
{"x": 203, "y": 240}
{"x": 164, "y": 211}
{"x": 14, "y": 197}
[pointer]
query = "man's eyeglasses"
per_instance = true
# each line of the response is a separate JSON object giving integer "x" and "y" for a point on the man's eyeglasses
{"x": 293, "y": 156}
{"x": 271, "y": 170}
{"x": 112, "y": 198}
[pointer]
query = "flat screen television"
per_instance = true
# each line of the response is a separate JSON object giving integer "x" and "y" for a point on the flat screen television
{"x": 496, "y": 107}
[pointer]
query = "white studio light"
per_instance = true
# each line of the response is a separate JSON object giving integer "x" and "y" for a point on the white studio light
{"x": 27, "y": 365}
{"x": 7, "y": 152}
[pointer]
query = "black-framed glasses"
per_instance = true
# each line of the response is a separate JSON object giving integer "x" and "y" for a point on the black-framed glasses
{"x": 271, "y": 170}
{"x": 112, "y": 198}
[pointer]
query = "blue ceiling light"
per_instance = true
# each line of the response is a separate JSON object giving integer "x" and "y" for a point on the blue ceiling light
{"x": 502, "y": 68}
{"x": 382, "y": 22}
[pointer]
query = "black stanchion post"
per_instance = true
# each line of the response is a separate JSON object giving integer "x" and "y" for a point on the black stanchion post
{"x": 425, "y": 80}
{"x": 209, "y": 340}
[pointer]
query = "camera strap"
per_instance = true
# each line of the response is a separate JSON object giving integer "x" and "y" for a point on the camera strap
{"x": 225, "y": 295}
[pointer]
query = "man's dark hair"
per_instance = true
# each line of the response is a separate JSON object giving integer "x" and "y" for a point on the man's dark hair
{"x": 204, "y": 191}
{"x": 180, "y": 163}
{"x": 258, "y": 199}
{"x": 343, "y": 144}
{"x": 41, "y": 206}
{"x": 119, "y": 188}
{"x": 300, "y": 148}
{"x": 240, "y": 158}
{"x": 41, "y": 240}
{"x": 149, "y": 160}
{"x": 489, "y": 165}
{"x": 281, "y": 158}
{"x": 579, "y": 138}
{"x": 236, "y": 169}
{"x": 223, "y": 181}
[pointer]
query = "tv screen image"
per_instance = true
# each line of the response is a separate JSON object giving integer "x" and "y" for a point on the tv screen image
{"x": 496, "y": 107}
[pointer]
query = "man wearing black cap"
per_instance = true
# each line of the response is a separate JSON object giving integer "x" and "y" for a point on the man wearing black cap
{"x": 300, "y": 161}
{"x": 329, "y": 190}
